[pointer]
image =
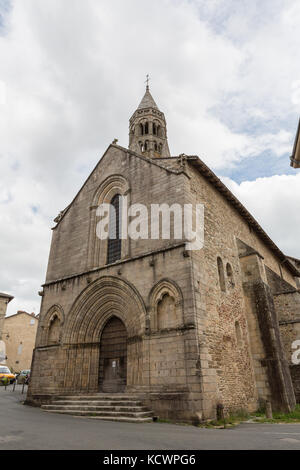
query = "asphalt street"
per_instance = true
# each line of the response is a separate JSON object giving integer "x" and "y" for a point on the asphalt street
{"x": 23, "y": 427}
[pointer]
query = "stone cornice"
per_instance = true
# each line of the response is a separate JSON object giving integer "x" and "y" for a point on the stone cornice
{"x": 117, "y": 263}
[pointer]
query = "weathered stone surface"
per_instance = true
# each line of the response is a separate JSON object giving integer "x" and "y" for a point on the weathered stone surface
{"x": 4, "y": 300}
{"x": 194, "y": 340}
{"x": 20, "y": 332}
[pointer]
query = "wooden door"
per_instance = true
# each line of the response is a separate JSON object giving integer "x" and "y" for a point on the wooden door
{"x": 113, "y": 357}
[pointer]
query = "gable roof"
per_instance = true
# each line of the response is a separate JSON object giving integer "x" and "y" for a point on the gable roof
{"x": 295, "y": 261}
{"x": 155, "y": 162}
{"x": 198, "y": 164}
{"x": 6, "y": 296}
{"x": 21, "y": 312}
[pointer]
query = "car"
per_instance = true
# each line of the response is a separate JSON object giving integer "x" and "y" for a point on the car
{"x": 6, "y": 373}
{"x": 23, "y": 375}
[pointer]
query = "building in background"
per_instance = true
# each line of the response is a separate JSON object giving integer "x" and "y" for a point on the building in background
{"x": 4, "y": 300}
{"x": 19, "y": 333}
{"x": 295, "y": 158}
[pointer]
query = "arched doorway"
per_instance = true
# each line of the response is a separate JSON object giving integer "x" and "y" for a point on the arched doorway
{"x": 113, "y": 357}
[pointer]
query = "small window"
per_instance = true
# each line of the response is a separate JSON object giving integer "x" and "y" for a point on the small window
{"x": 221, "y": 274}
{"x": 114, "y": 236}
{"x": 146, "y": 128}
{"x": 154, "y": 129}
{"x": 141, "y": 129}
{"x": 238, "y": 333}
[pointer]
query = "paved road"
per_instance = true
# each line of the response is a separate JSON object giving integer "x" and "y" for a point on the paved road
{"x": 24, "y": 427}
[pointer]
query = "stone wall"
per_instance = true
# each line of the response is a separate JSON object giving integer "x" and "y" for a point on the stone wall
{"x": 3, "y": 307}
{"x": 287, "y": 305}
{"x": 295, "y": 374}
{"x": 159, "y": 362}
{"x": 4, "y": 300}
{"x": 288, "y": 310}
{"x": 237, "y": 377}
{"x": 71, "y": 240}
{"x": 194, "y": 340}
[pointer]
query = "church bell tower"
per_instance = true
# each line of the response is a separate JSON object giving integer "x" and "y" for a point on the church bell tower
{"x": 148, "y": 129}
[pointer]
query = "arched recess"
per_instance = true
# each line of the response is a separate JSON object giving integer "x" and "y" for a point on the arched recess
{"x": 142, "y": 124}
{"x": 157, "y": 125}
{"x": 166, "y": 305}
{"x": 102, "y": 299}
{"x": 52, "y": 326}
{"x": 110, "y": 187}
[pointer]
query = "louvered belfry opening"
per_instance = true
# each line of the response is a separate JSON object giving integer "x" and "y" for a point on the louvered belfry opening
{"x": 114, "y": 234}
{"x": 113, "y": 357}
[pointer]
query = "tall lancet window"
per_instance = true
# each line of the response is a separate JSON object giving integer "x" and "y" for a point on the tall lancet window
{"x": 114, "y": 231}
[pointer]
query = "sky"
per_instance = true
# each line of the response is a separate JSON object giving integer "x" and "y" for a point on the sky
{"x": 225, "y": 73}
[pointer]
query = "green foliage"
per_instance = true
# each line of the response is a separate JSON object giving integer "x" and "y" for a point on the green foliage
{"x": 233, "y": 418}
{"x": 261, "y": 411}
{"x": 279, "y": 417}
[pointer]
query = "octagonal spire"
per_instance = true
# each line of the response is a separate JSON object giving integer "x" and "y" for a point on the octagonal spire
{"x": 147, "y": 101}
{"x": 148, "y": 129}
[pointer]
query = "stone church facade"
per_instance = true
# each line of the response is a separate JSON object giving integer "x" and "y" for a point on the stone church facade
{"x": 186, "y": 330}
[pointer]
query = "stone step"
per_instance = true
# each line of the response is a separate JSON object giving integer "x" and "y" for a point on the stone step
{"x": 104, "y": 397}
{"x": 110, "y": 407}
{"x": 105, "y": 414}
{"x": 92, "y": 407}
{"x": 96, "y": 402}
{"x": 124, "y": 420}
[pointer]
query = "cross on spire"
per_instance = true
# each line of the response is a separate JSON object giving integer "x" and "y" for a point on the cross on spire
{"x": 147, "y": 81}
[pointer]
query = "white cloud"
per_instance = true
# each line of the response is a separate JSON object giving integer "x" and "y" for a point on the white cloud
{"x": 273, "y": 201}
{"x": 73, "y": 73}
